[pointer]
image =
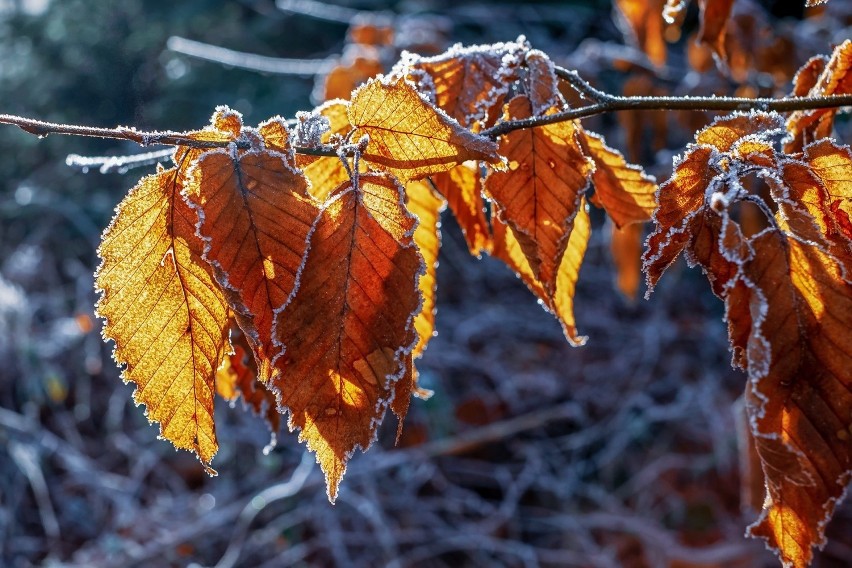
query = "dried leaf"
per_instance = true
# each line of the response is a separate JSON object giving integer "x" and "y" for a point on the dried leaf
{"x": 408, "y": 136}
{"x": 469, "y": 83}
{"x": 542, "y": 86}
{"x": 800, "y": 388}
{"x": 164, "y": 312}
{"x": 561, "y": 302}
{"x": 462, "y": 188}
{"x": 626, "y": 249}
{"x": 254, "y": 216}
{"x": 805, "y": 126}
{"x": 538, "y": 195}
{"x": 714, "y": 21}
{"x": 327, "y": 174}
{"x": 645, "y": 20}
{"x": 348, "y": 330}
{"x": 624, "y": 190}
{"x": 237, "y": 377}
{"x": 424, "y": 204}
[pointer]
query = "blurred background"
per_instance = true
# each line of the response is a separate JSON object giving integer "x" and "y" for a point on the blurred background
{"x": 624, "y": 452}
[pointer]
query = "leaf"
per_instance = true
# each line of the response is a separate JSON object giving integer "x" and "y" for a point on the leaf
{"x": 164, "y": 312}
{"x": 469, "y": 83}
{"x": 237, "y": 377}
{"x": 645, "y": 21}
{"x": 714, "y": 21}
{"x": 348, "y": 330}
{"x": 462, "y": 188}
{"x": 424, "y": 204}
{"x": 682, "y": 196}
{"x": 624, "y": 190}
{"x": 408, "y": 136}
{"x": 800, "y": 388}
{"x": 541, "y": 83}
{"x": 357, "y": 64}
{"x": 626, "y": 249}
{"x": 538, "y": 195}
{"x": 561, "y": 302}
{"x": 254, "y": 217}
{"x": 805, "y": 126}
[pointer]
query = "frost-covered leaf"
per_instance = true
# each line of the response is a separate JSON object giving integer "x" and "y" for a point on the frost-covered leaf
{"x": 468, "y": 83}
{"x": 254, "y": 216}
{"x": 462, "y": 188}
{"x": 348, "y": 332}
{"x": 835, "y": 78}
{"x": 409, "y": 137}
{"x": 539, "y": 194}
{"x": 164, "y": 311}
{"x": 624, "y": 190}
{"x": 541, "y": 83}
{"x": 560, "y": 302}
{"x": 327, "y": 173}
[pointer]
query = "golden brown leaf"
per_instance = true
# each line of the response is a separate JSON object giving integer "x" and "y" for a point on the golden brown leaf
{"x": 164, "y": 312}
{"x": 254, "y": 216}
{"x": 538, "y": 195}
{"x": 799, "y": 312}
{"x": 542, "y": 86}
{"x": 561, "y": 302}
{"x": 714, "y": 21}
{"x": 470, "y": 83}
{"x": 645, "y": 19}
{"x": 624, "y": 190}
{"x": 408, "y": 136}
{"x": 348, "y": 329}
{"x": 358, "y": 63}
{"x": 426, "y": 206}
{"x": 237, "y": 377}
{"x": 626, "y": 249}
{"x": 462, "y": 188}
{"x": 835, "y": 79}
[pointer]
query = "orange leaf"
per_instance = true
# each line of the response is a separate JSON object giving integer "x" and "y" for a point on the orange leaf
{"x": 645, "y": 20}
{"x": 626, "y": 249}
{"x": 561, "y": 302}
{"x": 799, "y": 312}
{"x": 164, "y": 312}
{"x": 254, "y": 216}
{"x": 408, "y": 136}
{"x": 539, "y": 194}
{"x": 805, "y": 126}
{"x": 237, "y": 377}
{"x": 541, "y": 83}
{"x": 462, "y": 188}
{"x": 348, "y": 329}
{"x": 683, "y": 195}
{"x": 624, "y": 190}
{"x": 714, "y": 22}
{"x": 469, "y": 83}
{"x": 426, "y": 206}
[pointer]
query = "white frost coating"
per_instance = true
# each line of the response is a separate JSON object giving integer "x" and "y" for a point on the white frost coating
{"x": 309, "y": 129}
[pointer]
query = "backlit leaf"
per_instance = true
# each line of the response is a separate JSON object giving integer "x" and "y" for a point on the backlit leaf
{"x": 714, "y": 22}
{"x": 164, "y": 311}
{"x": 624, "y": 190}
{"x": 254, "y": 216}
{"x": 348, "y": 331}
{"x": 469, "y": 83}
{"x": 462, "y": 188}
{"x": 561, "y": 302}
{"x": 645, "y": 20}
{"x": 538, "y": 195}
{"x": 626, "y": 249}
{"x": 805, "y": 126}
{"x": 408, "y": 136}
{"x": 325, "y": 173}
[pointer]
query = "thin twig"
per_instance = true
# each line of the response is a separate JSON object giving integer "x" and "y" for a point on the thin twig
{"x": 249, "y": 61}
{"x": 107, "y": 164}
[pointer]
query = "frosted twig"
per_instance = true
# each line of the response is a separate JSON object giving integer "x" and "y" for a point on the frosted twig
{"x": 250, "y": 61}
{"x": 319, "y": 10}
{"x": 107, "y": 164}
